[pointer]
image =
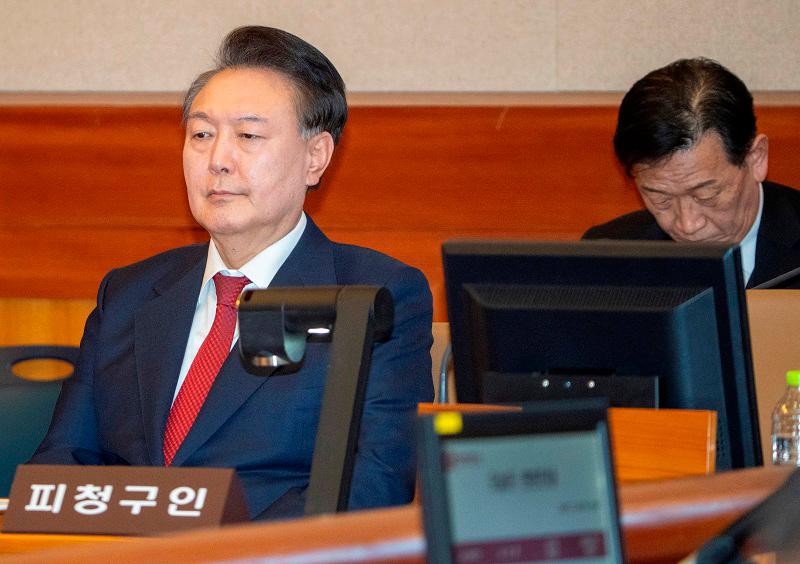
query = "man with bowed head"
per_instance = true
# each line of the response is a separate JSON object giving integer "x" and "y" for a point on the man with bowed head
{"x": 159, "y": 382}
{"x": 686, "y": 134}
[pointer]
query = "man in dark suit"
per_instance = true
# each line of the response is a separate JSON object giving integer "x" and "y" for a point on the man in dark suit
{"x": 159, "y": 380}
{"x": 686, "y": 134}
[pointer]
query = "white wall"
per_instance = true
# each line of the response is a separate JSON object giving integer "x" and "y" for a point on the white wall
{"x": 401, "y": 45}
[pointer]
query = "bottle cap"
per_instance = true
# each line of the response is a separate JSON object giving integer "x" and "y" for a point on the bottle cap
{"x": 793, "y": 378}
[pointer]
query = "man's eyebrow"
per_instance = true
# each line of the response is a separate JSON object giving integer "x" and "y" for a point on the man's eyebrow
{"x": 247, "y": 118}
{"x": 252, "y": 118}
{"x": 702, "y": 184}
{"x": 198, "y": 115}
{"x": 694, "y": 188}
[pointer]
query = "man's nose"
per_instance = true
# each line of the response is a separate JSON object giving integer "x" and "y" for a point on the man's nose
{"x": 222, "y": 158}
{"x": 689, "y": 218}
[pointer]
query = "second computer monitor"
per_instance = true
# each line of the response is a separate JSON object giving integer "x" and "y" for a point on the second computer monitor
{"x": 643, "y": 323}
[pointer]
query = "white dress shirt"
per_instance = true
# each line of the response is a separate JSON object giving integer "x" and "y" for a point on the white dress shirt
{"x": 747, "y": 247}
{"x": 261, "y": 269}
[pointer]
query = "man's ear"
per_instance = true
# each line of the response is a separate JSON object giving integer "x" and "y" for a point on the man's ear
{"x": 758, "y": 157}
{"x": 320, "y": 150}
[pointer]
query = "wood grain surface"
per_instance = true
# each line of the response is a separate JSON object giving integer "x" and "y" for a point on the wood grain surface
{"x": 662, "y": 522}
{"x": 84, "y": 189}
{"x": 647, "y": 444}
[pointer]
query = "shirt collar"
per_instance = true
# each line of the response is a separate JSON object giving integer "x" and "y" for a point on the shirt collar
{"x": 260, "y": 269}
{"x": 748, "y": 245}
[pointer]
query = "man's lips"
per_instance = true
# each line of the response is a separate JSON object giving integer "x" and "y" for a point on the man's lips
{"x": 700, "y": 239}
{"x": 222, "y": 194}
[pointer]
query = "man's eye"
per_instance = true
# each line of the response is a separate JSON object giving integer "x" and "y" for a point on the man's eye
{"x": 249, "y": 136}
{"x": 706, "y": 200}
{"x": 201, "y": 135}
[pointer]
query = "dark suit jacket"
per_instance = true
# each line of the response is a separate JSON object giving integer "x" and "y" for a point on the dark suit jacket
{"x": 777, "y": 245}
{"x": 114, "y": 410}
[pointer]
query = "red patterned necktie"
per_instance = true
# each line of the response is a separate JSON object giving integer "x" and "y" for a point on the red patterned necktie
{"x": 206, "y": 364}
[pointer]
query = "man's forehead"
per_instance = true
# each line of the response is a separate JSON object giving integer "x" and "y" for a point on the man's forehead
{"x": 244, "y": 94}
{"x": 248, "y": 118}
{"x": 701, "y": 164}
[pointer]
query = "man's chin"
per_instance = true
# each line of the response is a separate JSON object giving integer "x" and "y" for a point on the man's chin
{"x": 221, "y": 227}
{"x": 225, "y": 231}
{"x": 696, "y": 240}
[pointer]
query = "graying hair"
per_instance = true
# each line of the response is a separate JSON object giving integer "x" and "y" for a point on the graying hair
{"x": 320, "y": 101}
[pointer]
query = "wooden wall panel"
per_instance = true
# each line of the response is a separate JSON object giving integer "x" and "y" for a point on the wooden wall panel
{"x": 43, "y": 321}
{"x": 90, "y": 167}
{"x": 85, "y": 189}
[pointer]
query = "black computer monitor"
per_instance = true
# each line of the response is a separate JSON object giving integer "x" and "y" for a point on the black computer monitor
{"x": 644, "y": 323}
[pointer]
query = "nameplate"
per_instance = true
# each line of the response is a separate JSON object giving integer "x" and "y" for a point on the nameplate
{"x": 122, "y": 500}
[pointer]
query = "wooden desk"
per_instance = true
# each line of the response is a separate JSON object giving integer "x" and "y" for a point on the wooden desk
{"x": 647, "y": 444}
{"x": 662, "y": 522}
{"x": 29, "y": 544}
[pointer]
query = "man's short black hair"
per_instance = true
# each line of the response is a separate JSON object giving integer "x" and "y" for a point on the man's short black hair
{"x": 321, "y": 104}
{"x": 672, "y": 107}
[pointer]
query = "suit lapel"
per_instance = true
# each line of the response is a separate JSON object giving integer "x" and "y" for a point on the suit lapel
{"x": 310, "y": 263}
{"x": 777, "y": 249}
{"x": 161, "y": 330}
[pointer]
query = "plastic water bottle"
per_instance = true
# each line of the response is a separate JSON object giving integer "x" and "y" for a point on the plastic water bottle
{"x": 786, "y": 423}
